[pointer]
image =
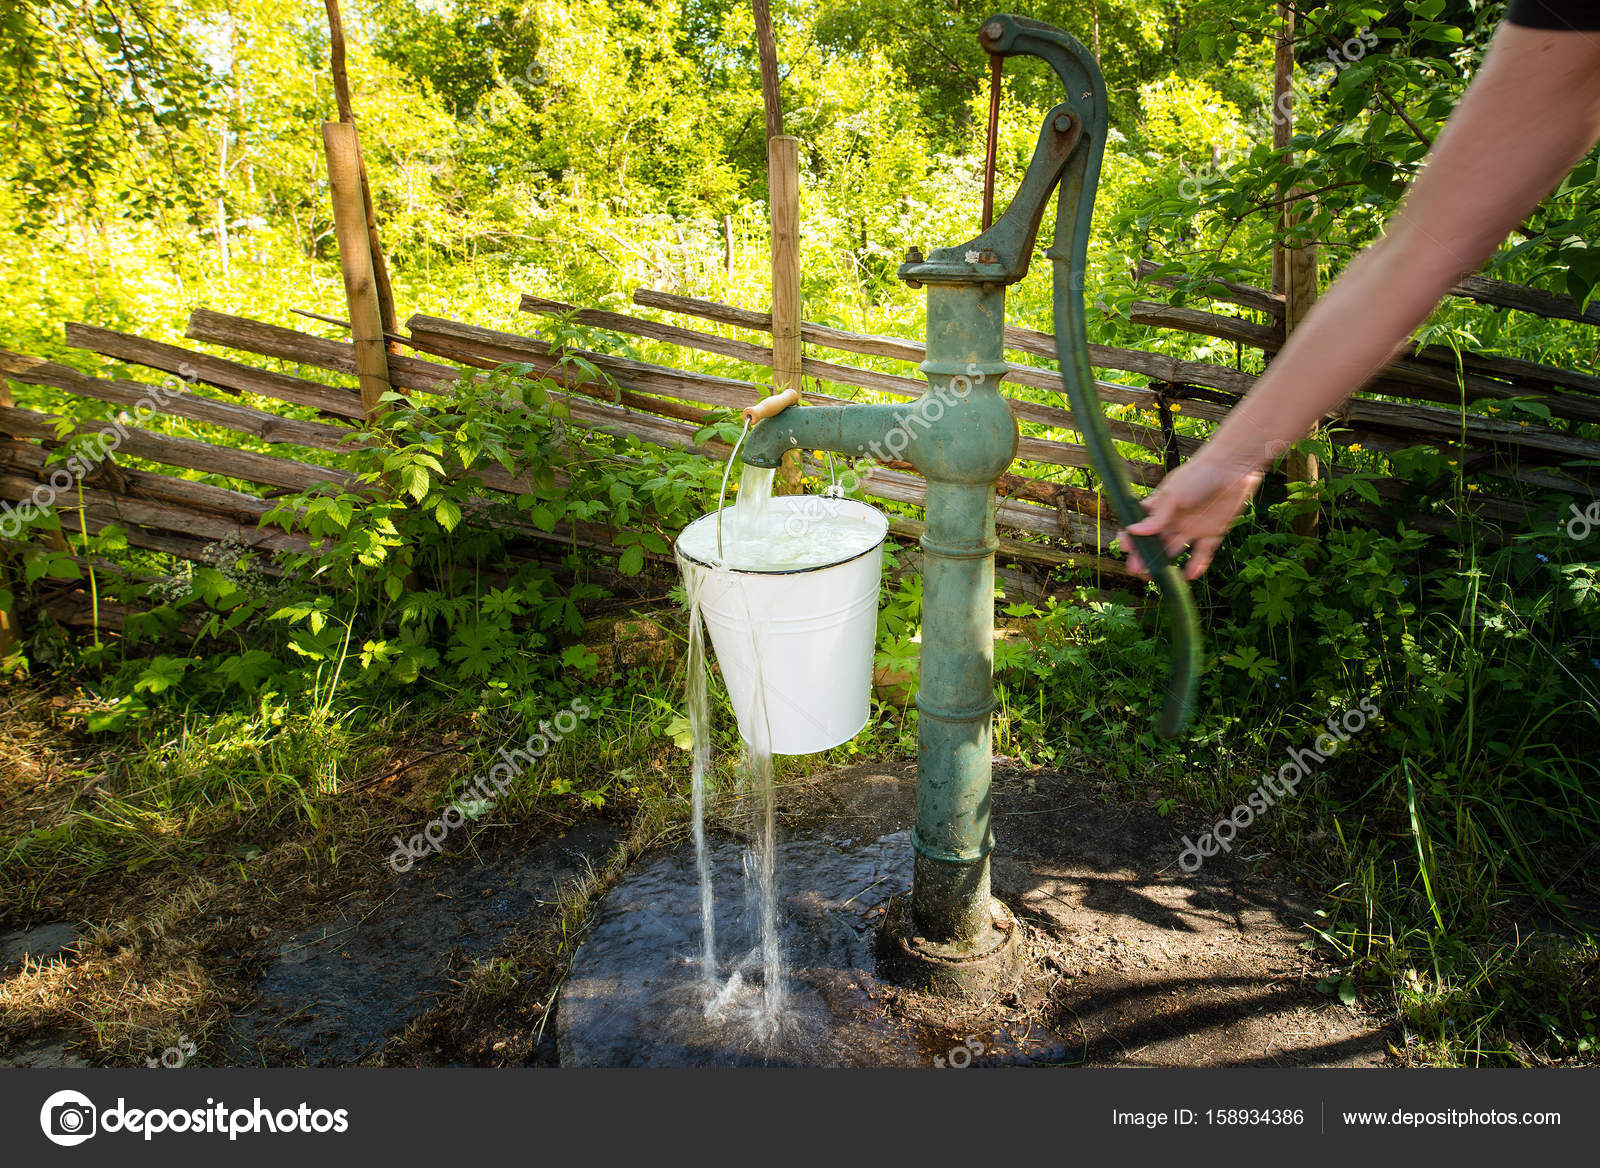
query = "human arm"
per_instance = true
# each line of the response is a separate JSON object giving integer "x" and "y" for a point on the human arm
{"x": 1530, "y": 114}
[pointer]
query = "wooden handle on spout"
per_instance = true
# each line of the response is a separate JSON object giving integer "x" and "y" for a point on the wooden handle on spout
{"x": 768, "y": 406}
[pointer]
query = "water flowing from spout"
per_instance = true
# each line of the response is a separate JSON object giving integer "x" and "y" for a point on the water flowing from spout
{"x": 749, "y": 515}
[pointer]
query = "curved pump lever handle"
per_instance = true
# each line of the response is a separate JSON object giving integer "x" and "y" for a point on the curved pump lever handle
{"x": 1086, "y": 95}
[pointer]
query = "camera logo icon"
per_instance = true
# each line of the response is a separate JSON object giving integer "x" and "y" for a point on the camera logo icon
{"x": 68, "y": 1118}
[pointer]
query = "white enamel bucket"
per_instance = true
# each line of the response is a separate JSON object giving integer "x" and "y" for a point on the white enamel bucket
{"x": 795, "y": 645}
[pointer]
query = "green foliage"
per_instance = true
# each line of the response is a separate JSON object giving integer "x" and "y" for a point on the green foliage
{"x": 432, "y": 595}
{"x": 1469, "y": 809}
{"x": 100, "y": 97}
{"x": 412, "y": 573}
{"x": 166, "y": 156}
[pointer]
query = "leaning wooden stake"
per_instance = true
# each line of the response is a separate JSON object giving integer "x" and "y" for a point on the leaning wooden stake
{"x": 347, "y": 113}
{"x": 355, "y": 258}
{"x": 1294, "y": 269}
{"x": 783, "y": 194}
{"x": 784, "y": 184}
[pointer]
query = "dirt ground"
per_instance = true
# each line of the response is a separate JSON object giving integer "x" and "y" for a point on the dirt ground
{"x": 459, "y": 962}
{"x": 1131, "y": 961}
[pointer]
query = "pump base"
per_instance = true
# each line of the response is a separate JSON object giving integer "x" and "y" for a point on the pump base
{"x": 975, "y": 970}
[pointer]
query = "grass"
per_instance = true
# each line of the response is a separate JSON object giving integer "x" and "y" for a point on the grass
{"x": 185, "y": 841}
{"x": 1450, "y": 851}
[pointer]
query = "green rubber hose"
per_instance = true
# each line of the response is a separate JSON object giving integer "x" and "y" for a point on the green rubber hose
{"x": 1078, "y": 379}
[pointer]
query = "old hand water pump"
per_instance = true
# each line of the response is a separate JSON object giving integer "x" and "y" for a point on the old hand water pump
{"x": 951, "y": 935}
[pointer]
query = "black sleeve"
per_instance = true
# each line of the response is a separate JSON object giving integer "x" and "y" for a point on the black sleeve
{"x": 1555, "y": 14}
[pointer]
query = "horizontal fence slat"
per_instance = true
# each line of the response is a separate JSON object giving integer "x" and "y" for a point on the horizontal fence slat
{"x": 1022, "y": 552}
{"x": 827, "y": 337}
{"x": 158, "y": 506}
{"x": 286, "y": 344}
{"x": 838, "y": 374}
{"x": 216, "y": 371}
{"x": 682, "y": 436}
{"x": 143, "y": 486}
{"x": 1020, "y": 516}
{"x": 187, "y": 453}
{"x": 1407, "y": 377}
{"x": 1501, "y": 294}
{"x": 243, "y": 419}
{"x": 491, "y": 347}
{"x": 1483, "y": 289}
{"x": 1512, "y": 369}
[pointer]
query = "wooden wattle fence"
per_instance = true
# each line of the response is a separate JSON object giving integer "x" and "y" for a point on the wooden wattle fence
{"x": 1048, "y": 521}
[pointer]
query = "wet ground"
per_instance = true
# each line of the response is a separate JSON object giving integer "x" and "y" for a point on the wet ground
{"x": 637, "y": 997}
{"x": 335, "y": 993}
{"x": 1130, "y": 960}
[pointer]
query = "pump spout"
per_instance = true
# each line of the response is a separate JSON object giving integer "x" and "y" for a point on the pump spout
{"x": 960, "y": 431}
{"x": 856, "y": 431}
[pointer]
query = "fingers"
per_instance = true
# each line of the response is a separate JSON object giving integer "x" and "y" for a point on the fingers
{"x": 1172, "y": 542}
{"x": 1136, "y": 563}
{"x": 1171, "y": 538}
{"x": 1204, "y": 549}
{"x": 1159, "y": 512}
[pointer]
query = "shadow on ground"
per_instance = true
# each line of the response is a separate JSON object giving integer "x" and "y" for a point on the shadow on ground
{"x": 1131, "y": 961}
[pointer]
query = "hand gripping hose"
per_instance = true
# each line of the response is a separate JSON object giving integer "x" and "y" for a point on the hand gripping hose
{"x": 1072, "y": 354}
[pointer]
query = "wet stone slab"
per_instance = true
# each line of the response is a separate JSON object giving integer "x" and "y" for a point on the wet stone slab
{"x": 36, "y": 945}
{"x": 47, "y": 1052}
{"x": 637, "y": 995}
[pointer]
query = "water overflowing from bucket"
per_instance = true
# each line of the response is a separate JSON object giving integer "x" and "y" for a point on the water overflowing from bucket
{"x": 757, "y": 807}
{"x": 788, "y": 589}
{"x": 700, "y": 731}
{"x": 761, "y": 534}
{"x": 748, "y": 521}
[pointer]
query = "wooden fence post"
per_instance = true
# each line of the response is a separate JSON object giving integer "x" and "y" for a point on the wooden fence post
{"x": 1294, "y": 269}
{"x": 783, "y": 161}
{"x": 347, "y": 113}
{"x": 8, "y": 627}
{"x": 783, "y": 195}
{"x": 355, "y": 259}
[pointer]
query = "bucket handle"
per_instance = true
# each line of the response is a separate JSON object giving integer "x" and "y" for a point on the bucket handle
{"x": 723, "y": 493}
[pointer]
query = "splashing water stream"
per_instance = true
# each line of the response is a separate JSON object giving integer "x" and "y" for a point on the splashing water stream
{"x": 746, "y": 523}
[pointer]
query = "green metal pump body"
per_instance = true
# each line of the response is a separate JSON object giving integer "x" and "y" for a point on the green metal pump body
{"x": 961, "y": 435}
